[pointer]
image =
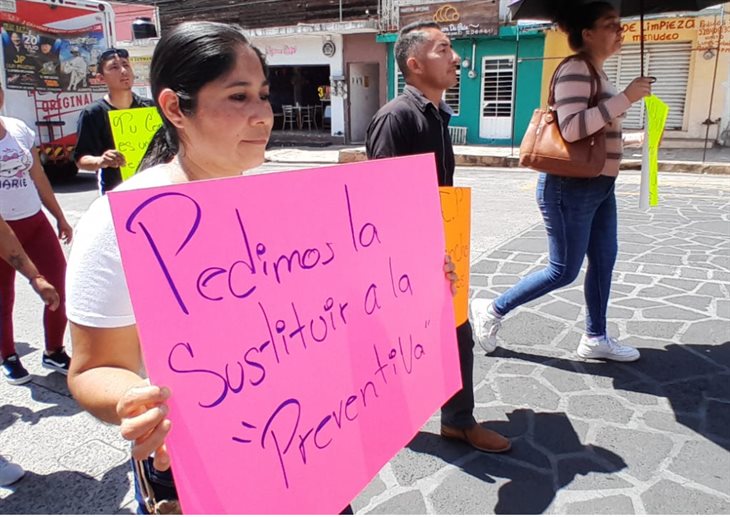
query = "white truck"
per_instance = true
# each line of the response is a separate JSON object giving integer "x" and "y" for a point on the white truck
{"x": 49, "y": 54}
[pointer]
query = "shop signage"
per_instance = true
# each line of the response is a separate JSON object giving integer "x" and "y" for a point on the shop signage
{"x": 286, "y": 50}
{"x": 711, "y": 31}
{"x": 706, "y": 31}
{"x": 329, "y": 48}
{"x": 456, "y": 18}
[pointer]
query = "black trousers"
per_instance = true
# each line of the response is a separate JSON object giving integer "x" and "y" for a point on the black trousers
{"x": 459, "y": 410}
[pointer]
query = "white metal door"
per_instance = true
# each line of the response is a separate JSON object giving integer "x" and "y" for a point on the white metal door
{"x": 364, "y": 97}
{"x": 669, "y": 63}
{"x": 497, "y": 97}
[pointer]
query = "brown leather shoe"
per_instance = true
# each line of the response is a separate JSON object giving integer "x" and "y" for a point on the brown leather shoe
{"x": 478, "y": 437}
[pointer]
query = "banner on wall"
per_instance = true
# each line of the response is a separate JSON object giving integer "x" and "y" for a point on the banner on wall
{"x": 37, "y": 58}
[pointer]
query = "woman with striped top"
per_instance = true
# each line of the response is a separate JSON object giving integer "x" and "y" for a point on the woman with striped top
{"x": 579, "y": 214}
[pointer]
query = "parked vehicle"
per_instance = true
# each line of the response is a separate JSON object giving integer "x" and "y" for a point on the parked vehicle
{"x": 48, "y": 72}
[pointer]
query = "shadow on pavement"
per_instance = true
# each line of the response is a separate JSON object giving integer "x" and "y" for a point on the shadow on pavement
{"x": 547, "y": 456}
{"x": 695, "y": 379}
{"x": 10, "y": 413}
{"x": 68, "y": 492}
{"x": 82, "y": 182}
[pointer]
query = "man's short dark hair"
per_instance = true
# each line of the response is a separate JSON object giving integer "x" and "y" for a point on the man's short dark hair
{"x": 409, "y": 39}
{"x": 108, "y": 55}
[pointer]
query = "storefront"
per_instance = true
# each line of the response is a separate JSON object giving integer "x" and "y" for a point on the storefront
{"x": 307, "y": 81}
{"x": 499, "y": 79}
{"x": 498, "y": 86}
{"x": 682, "y": 53}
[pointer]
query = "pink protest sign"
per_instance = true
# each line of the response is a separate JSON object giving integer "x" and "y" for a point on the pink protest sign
{"x": 302, "y": 321}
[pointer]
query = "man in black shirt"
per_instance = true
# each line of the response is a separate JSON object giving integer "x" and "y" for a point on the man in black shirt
{"x": 95, "y": 145}
{"x": 415, "y": 122}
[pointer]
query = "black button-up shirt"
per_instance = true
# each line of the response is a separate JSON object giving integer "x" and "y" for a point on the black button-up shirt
{"x": 412, "y": 124}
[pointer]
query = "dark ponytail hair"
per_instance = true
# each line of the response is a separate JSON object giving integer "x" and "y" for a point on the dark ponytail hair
{"x": 573, "y": 19}
{"x": 186, "y": 58}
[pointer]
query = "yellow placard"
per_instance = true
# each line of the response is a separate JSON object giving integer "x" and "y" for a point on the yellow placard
{"x": 656, "y": 116}
{"x": 132, "y": 131}
{"x": 456, "y": 214}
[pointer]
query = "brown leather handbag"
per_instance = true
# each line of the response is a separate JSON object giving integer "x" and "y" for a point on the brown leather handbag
{"x": 544, "y": 149}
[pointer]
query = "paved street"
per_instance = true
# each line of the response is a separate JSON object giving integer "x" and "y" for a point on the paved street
{"x": 589, "y": 437}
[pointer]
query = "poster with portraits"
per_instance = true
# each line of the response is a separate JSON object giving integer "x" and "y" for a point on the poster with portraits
{"x": 37, "y": 58}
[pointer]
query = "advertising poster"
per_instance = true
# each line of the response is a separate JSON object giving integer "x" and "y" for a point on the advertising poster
{"x": 37, "y": 58}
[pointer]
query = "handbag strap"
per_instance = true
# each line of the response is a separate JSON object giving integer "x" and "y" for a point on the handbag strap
{"x": 595, "y": 80}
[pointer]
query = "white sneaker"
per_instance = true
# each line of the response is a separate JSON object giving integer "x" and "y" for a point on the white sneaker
{"x": 485, "y": 324}
{"x": 9, "y": 472}
{"x": 604, "y": 347}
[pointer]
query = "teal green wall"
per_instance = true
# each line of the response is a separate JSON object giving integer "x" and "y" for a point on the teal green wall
{"x": 528, "y": 79}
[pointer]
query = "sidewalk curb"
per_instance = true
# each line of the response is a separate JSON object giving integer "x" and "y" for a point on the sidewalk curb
{"x": 480, "y": 160}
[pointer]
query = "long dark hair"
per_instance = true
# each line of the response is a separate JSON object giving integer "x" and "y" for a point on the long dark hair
{"x": 187, "y": 58}
{"x": 573, "y": 19}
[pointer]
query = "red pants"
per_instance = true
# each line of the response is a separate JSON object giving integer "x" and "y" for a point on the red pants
{"x": 41, "y": 244}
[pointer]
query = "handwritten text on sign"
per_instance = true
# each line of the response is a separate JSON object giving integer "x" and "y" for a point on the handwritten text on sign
{"x": 302, "y": 321}
{"x": 456, "y": 213}
{"x": 132, "y": 131}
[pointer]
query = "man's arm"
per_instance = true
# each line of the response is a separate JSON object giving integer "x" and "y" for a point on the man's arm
{"x": 90, "y": 153}
{"x": 13, "y": 253}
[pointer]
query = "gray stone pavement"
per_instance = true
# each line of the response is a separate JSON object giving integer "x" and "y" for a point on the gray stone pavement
{"x": 589, "y": 437}
{"x": 592, "y": 437}
{"x": 715, "y": 161}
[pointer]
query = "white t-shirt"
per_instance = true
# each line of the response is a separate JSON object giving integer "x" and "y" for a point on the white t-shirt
{"x": 96, "y": 289}
{"x": 18, "y": 194}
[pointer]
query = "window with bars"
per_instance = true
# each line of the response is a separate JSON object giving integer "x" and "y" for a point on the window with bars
{"x": 452, "y": 96}
{"x": 498, "y": 87}
{"x": 669, "y": 63}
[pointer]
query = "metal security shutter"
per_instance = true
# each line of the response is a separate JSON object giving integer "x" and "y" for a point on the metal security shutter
{"x": 669, "y": 63}
{"x": 452, "y": 96}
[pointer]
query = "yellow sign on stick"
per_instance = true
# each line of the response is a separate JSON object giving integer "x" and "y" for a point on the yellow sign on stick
{"x": 656, "y": 120}
{"x": 132, "y": 131}
{"x": 456, "y": 214}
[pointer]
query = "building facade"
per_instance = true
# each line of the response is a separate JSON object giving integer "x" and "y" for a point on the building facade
{"x": 689, "y": 56}
{"x": 327, "y": 73}
{"x": 501, "y": 68}
{"x": 506, "y": 75}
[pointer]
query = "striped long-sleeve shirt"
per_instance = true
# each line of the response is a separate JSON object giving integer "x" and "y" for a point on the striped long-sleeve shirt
{"x": 577, "y": 121}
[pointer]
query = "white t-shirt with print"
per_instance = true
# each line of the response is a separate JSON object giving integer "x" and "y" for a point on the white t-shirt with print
{"x": 18, "y": 194}
{"x": 96, "y": 288}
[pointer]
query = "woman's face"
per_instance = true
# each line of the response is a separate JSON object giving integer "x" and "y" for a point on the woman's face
{"x": 232, "y": 122}
{"x": 605, "y": 37}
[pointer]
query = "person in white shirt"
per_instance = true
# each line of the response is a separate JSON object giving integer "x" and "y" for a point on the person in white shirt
{"x": 24, "y": 190}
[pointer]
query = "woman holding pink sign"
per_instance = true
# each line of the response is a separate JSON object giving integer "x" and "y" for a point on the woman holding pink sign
{"x": 211, "y": 90}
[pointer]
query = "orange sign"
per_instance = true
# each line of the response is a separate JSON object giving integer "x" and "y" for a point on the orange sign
{"x": 456, "y": 214}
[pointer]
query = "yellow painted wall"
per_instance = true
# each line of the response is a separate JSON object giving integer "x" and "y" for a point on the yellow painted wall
{"x": 702, "y": 32}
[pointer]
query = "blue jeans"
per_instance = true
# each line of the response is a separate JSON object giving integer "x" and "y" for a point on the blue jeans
{"x": 580, "y": 219}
